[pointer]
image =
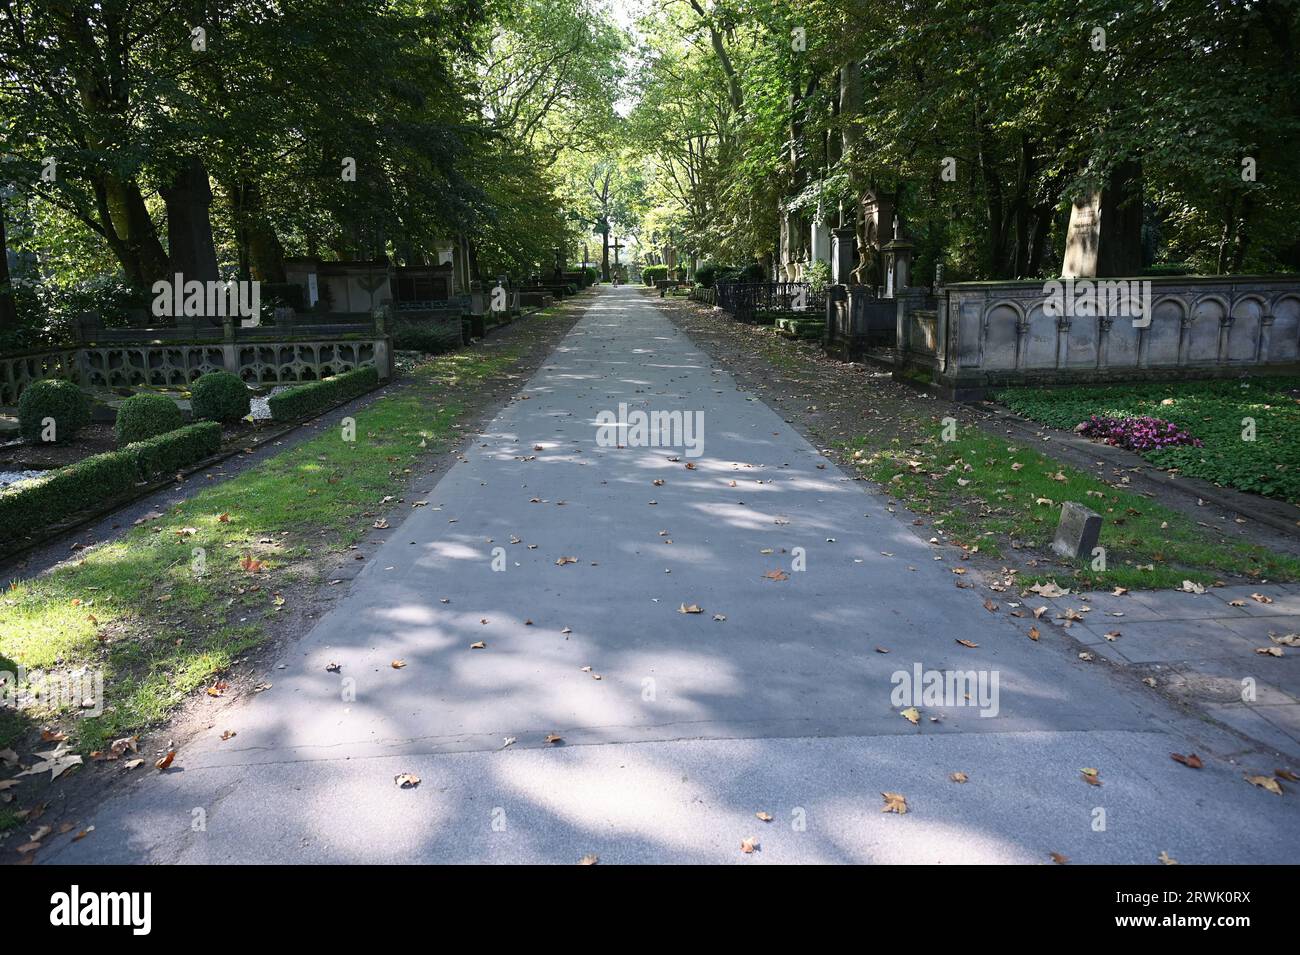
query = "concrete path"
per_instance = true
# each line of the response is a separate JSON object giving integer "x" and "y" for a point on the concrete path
{"x": 696, "y": 723}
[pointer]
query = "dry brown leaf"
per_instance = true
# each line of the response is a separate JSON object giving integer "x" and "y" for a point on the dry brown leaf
{"x": 1265, "y": 782}
{"x": 895, "y": 802}
{"x": 1192, "y": 761}
{"x": 967, "y": 643}
{"x": 406, "y": 780}
{"x": 166, "y": 761}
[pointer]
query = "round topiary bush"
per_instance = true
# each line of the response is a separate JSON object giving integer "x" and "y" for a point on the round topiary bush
{"x": 146, "y": 416}
{"x": 219, "y": 396}
{"x": 52, "y": 398}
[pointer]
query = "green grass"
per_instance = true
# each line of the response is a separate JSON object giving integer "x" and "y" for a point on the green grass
{"x": 1213, "y": 411}
{"x": 1147, "y": 545}
{"x": 138, "y": 610}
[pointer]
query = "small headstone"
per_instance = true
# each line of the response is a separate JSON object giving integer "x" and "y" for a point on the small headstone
{"x": 1077, "y": 532}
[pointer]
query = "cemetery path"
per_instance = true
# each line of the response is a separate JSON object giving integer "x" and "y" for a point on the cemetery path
{"x": 677, "y": 728}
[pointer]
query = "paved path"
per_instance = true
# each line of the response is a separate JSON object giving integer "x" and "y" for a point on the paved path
{"x": 695, "y": 723}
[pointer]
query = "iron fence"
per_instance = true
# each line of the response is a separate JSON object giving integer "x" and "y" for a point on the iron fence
{"x": 745, "y": 300}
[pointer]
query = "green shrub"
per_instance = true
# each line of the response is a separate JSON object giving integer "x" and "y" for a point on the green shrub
{"x": 219, "y": 396}
{"x": 101, "y": 478}
{"x": 145, "y": 416}
{"x": 67, "y": 492}
{"x": 314, "y": 397}
{"x": 652, "y": 273}
{"x": 54, "y": 398}
{"x": 427, "y": 337}
{"x": 168, "y": 453}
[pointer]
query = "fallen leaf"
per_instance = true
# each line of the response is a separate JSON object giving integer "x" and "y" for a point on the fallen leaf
{"x": 690, "y": 608}
{"x": 1033, "y": 633}
{"x": 406, "y": 780}
{"x": 763, "y": 816}
{"x": 166, "y": 761}
{"x": 478, "y": 646}
{"x": 1059, "y": 859}
{"x": 959, "y": 777}
{"x": 1091, "y": 777}
{"x": 589, "y": 859}
{"x": 911, "y": 714}
{"x": 749, "y": 844}
{"x": 1166, "y": 859}
{"x": 895, "y": 802}
{"x": 1193, "y": 761}
{"x": 967, "y": 643}
{"x": 398, "y": 664}
{"x": 1265, "y": 782}
{"x": 553, "y": 738}
{"x": 776, "y": 575}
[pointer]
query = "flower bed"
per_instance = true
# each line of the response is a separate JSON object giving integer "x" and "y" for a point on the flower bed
{"x": 1139, "y": 434}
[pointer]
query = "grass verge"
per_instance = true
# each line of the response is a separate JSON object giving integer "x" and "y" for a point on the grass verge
{"x": 174, "y": 602}
{"x": 986, "y": 493}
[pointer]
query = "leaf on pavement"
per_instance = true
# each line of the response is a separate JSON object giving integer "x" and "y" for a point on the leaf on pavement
{"x": 690, "y": 608}
{"x": 959, "y": 777}
{"x": 166, "y": 761}
{"x": 1192, "y": 761}
{"x": 406, "y": 780}
{"x": 911, "y": 714}
{"x": 1265, "y": 782}
{"x": 895, "y": 802}
{"x": 967, "y": 643}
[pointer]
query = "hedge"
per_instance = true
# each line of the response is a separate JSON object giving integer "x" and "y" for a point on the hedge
{"x": 427, "y": 337}
{"x": 170, "y": 452}
{"x": 79, "y": 487}
{"x": 314, "y": 397}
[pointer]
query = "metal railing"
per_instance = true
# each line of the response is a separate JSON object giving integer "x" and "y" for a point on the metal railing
{"x": 745, "y": 299}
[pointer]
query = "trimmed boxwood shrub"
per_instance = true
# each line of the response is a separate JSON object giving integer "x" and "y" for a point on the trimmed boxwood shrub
{"x": 168, "y": 453}
{"x": 427, "y": 337}
{"x": 55, "y": 498}
{"x": 146, "y": 416}
{"x": 48, "y": 500}
{"x": 219, "y": 396}
{"x": 55, "y": 398}
{"x": 315, "y": 396}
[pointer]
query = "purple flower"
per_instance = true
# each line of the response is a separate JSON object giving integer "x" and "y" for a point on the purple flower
{"x": 1137, "y": 434}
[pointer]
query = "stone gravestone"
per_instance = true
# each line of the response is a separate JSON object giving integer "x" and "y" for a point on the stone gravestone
{"x": 1077, "y": 532}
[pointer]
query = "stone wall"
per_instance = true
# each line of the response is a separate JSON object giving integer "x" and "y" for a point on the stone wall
{"x": 1002, "y": 333}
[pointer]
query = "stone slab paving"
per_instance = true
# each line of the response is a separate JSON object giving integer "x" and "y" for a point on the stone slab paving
{"x": 678, "y": 727}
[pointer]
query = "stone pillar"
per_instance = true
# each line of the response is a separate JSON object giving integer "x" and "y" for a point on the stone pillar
{"x": 844, "y": 253}
{"x": 898, "y": 264}
{"x": 821, "y": 242}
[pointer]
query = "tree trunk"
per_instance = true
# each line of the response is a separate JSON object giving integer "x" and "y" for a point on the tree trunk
{"x": 1119, "y": 250}
{"x": 261, "y": 245}
{"x": 189, "y": 223}
{"x": 8, "y": 312}
{"x": 139, "y": 250}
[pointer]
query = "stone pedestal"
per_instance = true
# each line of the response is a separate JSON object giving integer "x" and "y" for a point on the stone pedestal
{"x": 1078, "y": 531}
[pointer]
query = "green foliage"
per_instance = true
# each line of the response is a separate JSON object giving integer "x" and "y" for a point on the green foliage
{"x": 168, "y": 453}
{"x": 51, "y": 499}
{"x": 219, "y": 396}
{"x": 55, "y": 398}
{"x": 1214, "y": 411}
{"x": 314, "y": 397}
{"x": 144, "y": 416}
{"x": 102, "y": 478}
{"x": 653, "y": 273}
{"x": 427, "y": 337}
